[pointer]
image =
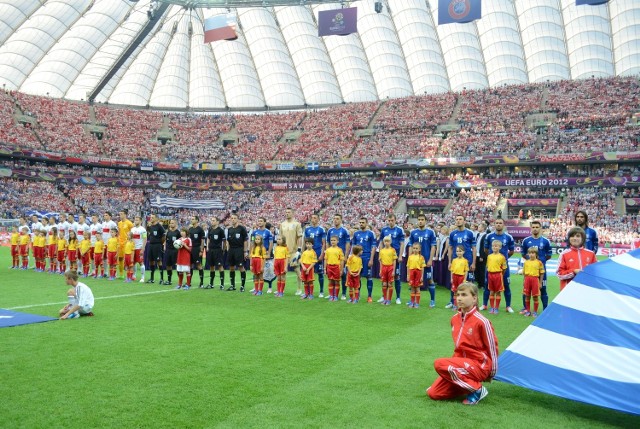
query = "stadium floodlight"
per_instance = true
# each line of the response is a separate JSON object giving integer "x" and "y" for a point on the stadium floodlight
{"x": 239, "y": 4}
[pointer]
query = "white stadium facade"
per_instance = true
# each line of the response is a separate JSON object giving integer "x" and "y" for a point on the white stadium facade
{"x": 111, "y": 51}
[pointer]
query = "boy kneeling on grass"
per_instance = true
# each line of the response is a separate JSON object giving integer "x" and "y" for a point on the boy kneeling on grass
{"x": 475, "y": 357}
{"x": 80, "y": 298}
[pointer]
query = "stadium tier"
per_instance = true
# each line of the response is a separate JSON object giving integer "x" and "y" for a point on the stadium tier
{"x": 513, "y": 121}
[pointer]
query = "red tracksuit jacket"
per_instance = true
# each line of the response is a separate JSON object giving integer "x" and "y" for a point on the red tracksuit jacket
{"x": 475, "y": 339}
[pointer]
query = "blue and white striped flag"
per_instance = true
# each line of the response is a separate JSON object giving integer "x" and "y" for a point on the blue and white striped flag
{"x": 586, "y": 345}
{"x": 183, "y": 203}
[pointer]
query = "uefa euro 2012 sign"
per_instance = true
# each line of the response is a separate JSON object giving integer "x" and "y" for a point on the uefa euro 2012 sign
{"x": 458, "y": 11}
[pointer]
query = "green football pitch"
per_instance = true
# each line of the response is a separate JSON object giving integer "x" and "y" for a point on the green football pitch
{"x": 154, "y": 357}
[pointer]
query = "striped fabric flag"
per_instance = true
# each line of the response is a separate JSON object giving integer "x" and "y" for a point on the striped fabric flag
{"x": 586, "y": 345}
{"x": 220, "y": 27}
{"x": 183, "y": 203}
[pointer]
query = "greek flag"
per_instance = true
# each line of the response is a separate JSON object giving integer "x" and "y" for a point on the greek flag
{"x": 183, "y": 203}
{"x": 586, "y": 345}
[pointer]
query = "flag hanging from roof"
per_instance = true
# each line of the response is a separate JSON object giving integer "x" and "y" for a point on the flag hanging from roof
{"x": 339, "y": 22}
{"x": 586, "y": 345}
{"x": 590, "y": 2}
{"x": 458, "y": 11}
{"x": 220, "y": 27}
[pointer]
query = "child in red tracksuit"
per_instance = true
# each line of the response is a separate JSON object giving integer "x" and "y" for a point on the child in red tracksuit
{"x": 572, "y": 261}
{"x": 475, "y": 358}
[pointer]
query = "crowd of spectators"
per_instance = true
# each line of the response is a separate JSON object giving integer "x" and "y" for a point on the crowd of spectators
{"x": 613, "y": 139}
{"x": 374, "y": 205}
{"x": 329, "y": 134}
{"x": 60, "y": 124}
{"x": 592, "y": 115}
{"x": 602, "y": 102}
{"x": 196, "y": 136}
{"x": 18, "y": 197}
{"x": 404, "y": 127}
{"x": 130, "y": 133}
{"x": 12, "y": 132}
{"x": 498, "y": 110}
{"x": 260, "y": 135}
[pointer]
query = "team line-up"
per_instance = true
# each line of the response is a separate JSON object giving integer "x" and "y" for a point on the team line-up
{"x": 92, "y": 248}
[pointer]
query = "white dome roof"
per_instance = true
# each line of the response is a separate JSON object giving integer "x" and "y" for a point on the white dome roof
{"x": 64, "y": 48}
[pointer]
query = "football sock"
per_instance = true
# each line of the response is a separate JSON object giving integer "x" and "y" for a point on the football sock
{"x": 544, "y": 296}
{"x": 212, "y": 276}
{"x": 432, "y": 292}
{"x": 398, "y": 287}
{"x": 232, "y": 277}
{"x": 153, "y": 272}
{"x": 221, "y": 278}
{"x": 243, "y": 278}
{"x": 535, "y": 304}
{"x": 498, "y": 299}
{"x": 370, "y": 287}
{"x": 527, "y": 302}
{"x": 321, "y": 282}
{"x": 169, "y": 275}
{"x": 201, "y": 272}
{"x": 492, "y": 301}
{"x": 417, "y": 297}
{"x": 189, "y": 279}
{"x": 180, "y": 277}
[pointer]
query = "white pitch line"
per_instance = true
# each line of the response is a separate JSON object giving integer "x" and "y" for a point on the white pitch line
{"x": 101, "y": 297}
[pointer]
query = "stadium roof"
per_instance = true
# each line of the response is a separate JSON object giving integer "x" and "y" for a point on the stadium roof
{"x": 68, "y": 48}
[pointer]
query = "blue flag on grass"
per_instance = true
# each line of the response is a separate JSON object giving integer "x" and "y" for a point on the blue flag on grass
{"x": 458, "y": 11}
{"x": 586, "y": 344}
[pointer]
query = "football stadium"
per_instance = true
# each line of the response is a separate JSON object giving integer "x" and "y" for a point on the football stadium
{"x": 312, "y": 213}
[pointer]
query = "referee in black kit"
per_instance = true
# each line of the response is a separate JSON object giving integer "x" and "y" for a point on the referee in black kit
{"x": 155, "y": 238}
{"x": 237, "y": 251}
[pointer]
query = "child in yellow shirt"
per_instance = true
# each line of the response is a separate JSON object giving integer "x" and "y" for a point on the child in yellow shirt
{"x": 415, "y": 269}
{"x": 388, "y": 258}
{"x": 112, "y": 254}
{"x": 85, "y": 254}
{"x": 459, "y": 271}
{"x": 258, "y": 255}
{"x": 128, "y": 250}
{"x": 98, "y": 256}
{"x": 354, "y": 268}
{"x": 15, "y": 251}
{"x": 334, "y": 258}
{"x": 62, "y": 253}
{"x": 496, "y": 265}
{"x": 307, "y": 261}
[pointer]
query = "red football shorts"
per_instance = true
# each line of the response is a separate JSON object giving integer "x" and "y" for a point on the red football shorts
{"x": 456, "y": 280}
{"x": 531, "y": 286}
{"x": 333, "y": 272}
{"x": 353, "y": 281}
{"x": 278, "y": 267}
{"x": 304, "y": 276}
{"x": 386, "y": 273}
{"x": 495, "y": 282}
{"x": 415, "y": 277}
{"x": 257, "y": 265}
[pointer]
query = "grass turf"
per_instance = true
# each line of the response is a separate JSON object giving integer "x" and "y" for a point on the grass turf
{"x": 206, "y": 358}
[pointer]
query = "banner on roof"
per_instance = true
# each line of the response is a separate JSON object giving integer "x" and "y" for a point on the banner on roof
{"x": 590, "y": 2}
{"x": 338, "y": 22}
{"x": 183, "y": 203}
{"x": 458, "y": 11}
{"x": 220, "y": 27}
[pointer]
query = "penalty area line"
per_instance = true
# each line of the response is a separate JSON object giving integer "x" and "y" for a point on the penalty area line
{"x": 96, "y": 298}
